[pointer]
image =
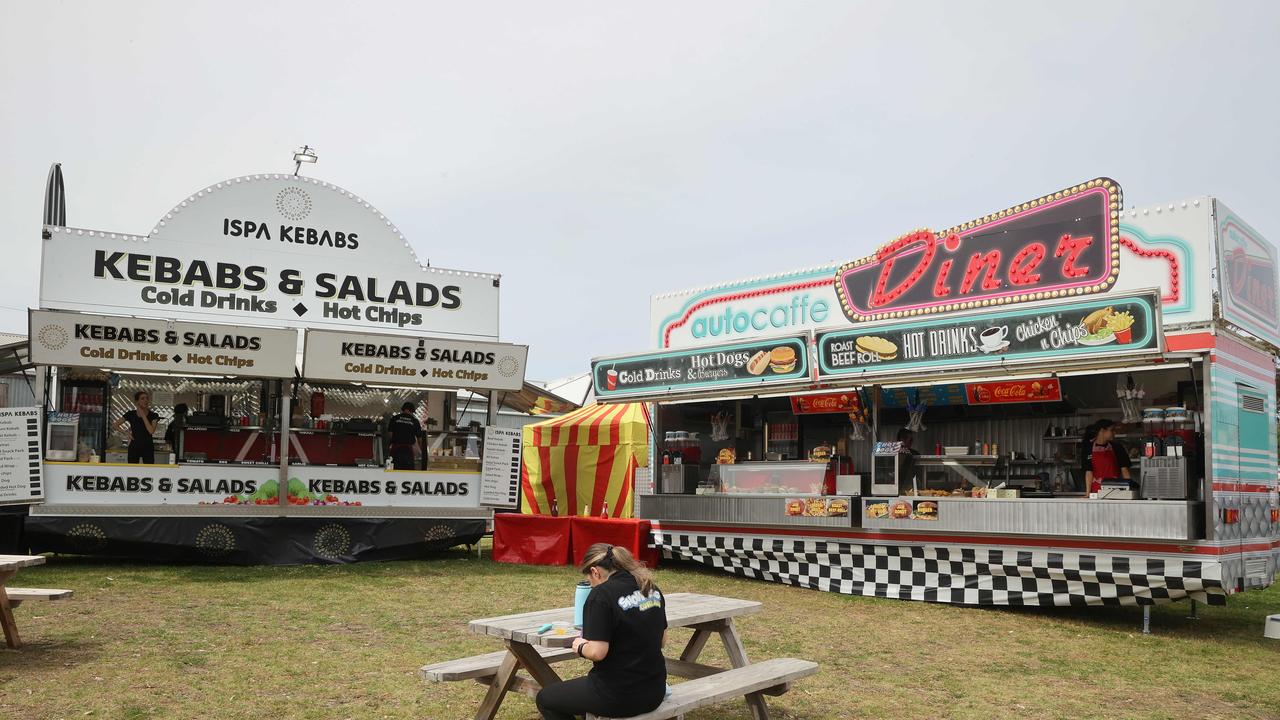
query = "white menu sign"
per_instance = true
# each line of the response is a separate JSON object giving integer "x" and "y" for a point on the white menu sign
{"x": 413, "y": 361}
{"x": 20, "y": 453}
{"x": 500, "y": 470}
{"x": 169, "y": 346}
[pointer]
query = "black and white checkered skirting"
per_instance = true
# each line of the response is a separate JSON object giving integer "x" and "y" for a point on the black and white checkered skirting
{"x": 950, "y": 574}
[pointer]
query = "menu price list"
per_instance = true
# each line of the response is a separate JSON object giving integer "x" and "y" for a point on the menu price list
{"x": 500, "y": 470}
{"x": 20, "y": 453}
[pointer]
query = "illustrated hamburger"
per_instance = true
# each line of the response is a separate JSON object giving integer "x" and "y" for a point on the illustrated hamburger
{"x": 822, "y": 453}
{"x": 726, "y": 456}
{"x": 758, "y": 362}
{"x": 782, "y": 359}
{"x": 878, "y": 346}
{"x": 927, "y": 510}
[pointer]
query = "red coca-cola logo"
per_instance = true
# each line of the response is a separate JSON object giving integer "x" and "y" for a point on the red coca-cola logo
{"x": 1014, "y": 391}
{"x": 1059, "y": 245}
{"x": 833, "y": 403}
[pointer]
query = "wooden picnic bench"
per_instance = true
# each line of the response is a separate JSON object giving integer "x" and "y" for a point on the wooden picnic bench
{"x": 11, "y": 597}
{"x": 525, "y": 665}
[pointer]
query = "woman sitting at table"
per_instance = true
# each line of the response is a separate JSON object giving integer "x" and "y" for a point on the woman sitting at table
{"x": 624, "y": 623}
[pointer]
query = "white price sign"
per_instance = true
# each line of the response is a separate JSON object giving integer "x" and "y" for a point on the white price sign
{"x": 20, "y": 453}
{"x": 500, "y": 471}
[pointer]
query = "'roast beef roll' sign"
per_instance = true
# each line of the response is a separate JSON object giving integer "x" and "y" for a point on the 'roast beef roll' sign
{"x": 1061, "y": 245}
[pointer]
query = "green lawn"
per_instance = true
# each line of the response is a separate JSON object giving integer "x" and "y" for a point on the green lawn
{"x": 140, "y": 641}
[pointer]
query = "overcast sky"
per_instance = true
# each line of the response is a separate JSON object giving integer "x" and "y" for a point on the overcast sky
{"x": 597, "y": 153}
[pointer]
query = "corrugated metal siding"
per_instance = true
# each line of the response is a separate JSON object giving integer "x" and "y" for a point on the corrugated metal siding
{"x": 19, "y": 392}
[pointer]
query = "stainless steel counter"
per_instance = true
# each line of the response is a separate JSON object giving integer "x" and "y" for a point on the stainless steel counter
{"x": 1063, "y": 517}
{"x": 1137, "y": 519}
{"x": 753, "y": 509}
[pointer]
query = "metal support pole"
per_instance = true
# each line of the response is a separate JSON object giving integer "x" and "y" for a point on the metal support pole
{"x": 286, "y": 393}
{"x": 1193, "y": 615}
{"x": 1146, "y": 619}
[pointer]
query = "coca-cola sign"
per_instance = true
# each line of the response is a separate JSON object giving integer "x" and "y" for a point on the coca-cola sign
{"x": 1014, "y": 391}
{"x": 843, "y": 402}
{"x": 1061, "y": 245}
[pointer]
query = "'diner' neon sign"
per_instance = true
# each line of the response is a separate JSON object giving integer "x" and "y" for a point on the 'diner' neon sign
{"x": 1056, "y": 246}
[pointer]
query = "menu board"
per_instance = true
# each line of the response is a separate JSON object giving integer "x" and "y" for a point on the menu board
{"x": 413, "y": 361}
{"x": 124, "y": 343}
{"x": 500, "y": 468}
{"x": 931, "y": 395}
{"x": 1128, "y": 324}
{"x": 20, "y": 453}
{"x": 758, "y": 362}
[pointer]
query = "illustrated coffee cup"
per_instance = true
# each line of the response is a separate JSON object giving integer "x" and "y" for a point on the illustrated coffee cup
{"x": 993, "y": 336}
{"x": 611, "y": 379}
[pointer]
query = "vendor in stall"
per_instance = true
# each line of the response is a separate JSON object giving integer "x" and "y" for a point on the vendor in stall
{"x": 142, "y": 426}
{"x": 406, "y": 432}
{"x": 1102, "y": 457}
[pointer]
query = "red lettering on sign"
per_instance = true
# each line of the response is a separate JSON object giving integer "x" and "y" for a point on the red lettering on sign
{"x": 1023, "y": 269}
{"x": 985, "y": 264}
{"x": 940, "y": 287}
{"x": 888, "y": 256}
{"x": 1071, "y": 248}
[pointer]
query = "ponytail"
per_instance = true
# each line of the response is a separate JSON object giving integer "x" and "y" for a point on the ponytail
{"x": 611, "y": 558}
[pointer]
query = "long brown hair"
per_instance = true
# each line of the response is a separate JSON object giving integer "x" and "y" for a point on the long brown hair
{"x": 613, "y": 557}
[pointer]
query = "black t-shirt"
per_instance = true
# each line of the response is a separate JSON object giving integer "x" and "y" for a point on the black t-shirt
{"x": 1086, "y": 457}
{"x": 141, "y": 438}
{"x": 632, "y": 624}
{"x": 405, "y": 429}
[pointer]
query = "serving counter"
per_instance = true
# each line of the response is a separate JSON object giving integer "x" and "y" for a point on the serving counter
{"x": 754, "y": 509}
{"x": 1073, "y": 517}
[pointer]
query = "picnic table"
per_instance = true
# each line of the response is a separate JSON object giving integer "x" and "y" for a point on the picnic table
{"x": 9, "y": 566}
{"x": 527, "y": 649}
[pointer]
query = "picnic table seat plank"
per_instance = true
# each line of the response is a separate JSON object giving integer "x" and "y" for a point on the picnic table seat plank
{"x": 715, "y": 689}
{"x": 483, "y": 666}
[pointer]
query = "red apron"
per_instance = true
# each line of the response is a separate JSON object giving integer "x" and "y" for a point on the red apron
{"x": 1105, "y": 466}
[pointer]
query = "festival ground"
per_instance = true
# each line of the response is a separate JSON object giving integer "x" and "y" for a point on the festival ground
{"x": 141, "y": 641}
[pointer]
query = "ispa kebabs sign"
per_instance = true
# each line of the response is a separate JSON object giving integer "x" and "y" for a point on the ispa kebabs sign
{"x": 274, "y": 250}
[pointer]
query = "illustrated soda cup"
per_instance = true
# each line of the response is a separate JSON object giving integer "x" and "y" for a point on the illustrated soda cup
{"x": 611, "y": 379}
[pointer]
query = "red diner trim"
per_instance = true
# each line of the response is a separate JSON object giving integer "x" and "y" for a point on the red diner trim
{"x": 1189, "y": 341}
{"x": 1242, "y": 487}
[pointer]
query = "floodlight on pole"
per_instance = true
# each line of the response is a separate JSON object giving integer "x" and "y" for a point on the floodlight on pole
{"x": 305, "y": 155}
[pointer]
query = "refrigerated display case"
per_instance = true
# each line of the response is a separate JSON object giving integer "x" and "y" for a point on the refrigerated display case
{"x": 90, "y": 399}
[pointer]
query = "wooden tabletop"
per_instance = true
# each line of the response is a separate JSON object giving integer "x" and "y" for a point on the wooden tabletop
{"x": 683, "y": 610}
{"x": 13, "y": 562}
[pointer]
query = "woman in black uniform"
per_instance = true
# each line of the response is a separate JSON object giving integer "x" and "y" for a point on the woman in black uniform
{"x": 624, "y": 624}
{"x": 142, "y": 425}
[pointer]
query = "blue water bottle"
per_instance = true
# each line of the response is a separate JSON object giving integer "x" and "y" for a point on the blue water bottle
{"x": 580, "y": 594}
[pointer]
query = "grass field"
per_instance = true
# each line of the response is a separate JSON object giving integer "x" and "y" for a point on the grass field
{"x": 142, "y": 641}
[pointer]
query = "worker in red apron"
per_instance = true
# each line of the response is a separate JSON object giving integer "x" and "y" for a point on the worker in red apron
{"x": 1102, "y": 457}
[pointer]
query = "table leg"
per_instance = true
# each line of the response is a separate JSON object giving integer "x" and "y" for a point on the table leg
{"x": 498, "y": 689}
{"x": 6, "y": 613}
{"x": 701, "y": 634}
{"x": 738, "y": 658}
{"x": 533, "y": 662}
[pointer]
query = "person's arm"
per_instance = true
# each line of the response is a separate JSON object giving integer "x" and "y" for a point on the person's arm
{"x": 1122, "y": 460}
{"x": 149, "y": 422}
{"x": 597, "y": 628}
{"x": 1086, "y": 464}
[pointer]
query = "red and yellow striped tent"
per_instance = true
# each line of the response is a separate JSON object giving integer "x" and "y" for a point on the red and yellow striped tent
{"x": 585, "y": 458}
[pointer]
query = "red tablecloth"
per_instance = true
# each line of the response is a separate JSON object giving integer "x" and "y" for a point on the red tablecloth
{"x": 530, "y": 539}
{"x": 629, "y": 533}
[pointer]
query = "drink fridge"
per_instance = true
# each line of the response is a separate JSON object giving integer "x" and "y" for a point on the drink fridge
{"x": 92, "y": 401}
